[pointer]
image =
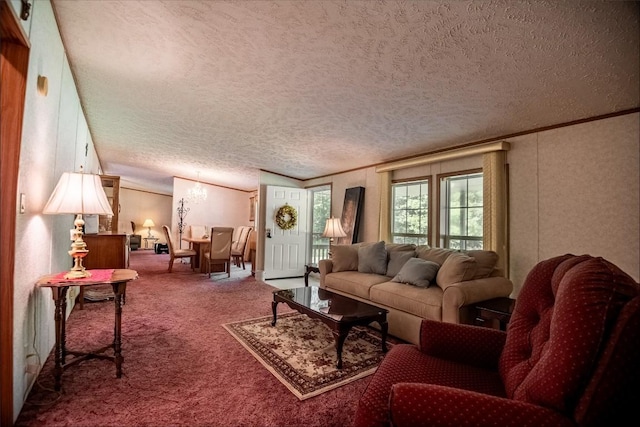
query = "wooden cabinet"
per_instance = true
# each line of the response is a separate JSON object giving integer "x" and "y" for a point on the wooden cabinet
{"x": 106, "y": 250}
{"x": 111, "y": 186}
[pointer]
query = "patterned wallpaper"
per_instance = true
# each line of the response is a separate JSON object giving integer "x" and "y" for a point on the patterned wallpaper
{"x": 305, "y": 89}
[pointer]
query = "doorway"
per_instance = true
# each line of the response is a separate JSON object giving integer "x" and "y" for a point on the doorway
{"x": 14, "y": 61}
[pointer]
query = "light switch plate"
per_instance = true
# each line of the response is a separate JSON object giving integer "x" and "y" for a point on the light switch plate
{"x": 23, "y": 203}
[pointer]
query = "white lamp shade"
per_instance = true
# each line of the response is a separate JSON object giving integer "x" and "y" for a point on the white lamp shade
{"x": 78, "y": 193}
{"x": 333, "y": 228}
{"x": 148, "y": 223}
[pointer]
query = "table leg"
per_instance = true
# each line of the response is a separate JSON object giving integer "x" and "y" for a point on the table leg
{"x": 340, "y": 337}
{"x": 198, "y": 260}
{"x": 274, "y": 305}
{"x": 81, "y": 298}
{"x": 60, "y": 311}
{"x": 119, "y": 292}
{"x": 385, "y": 329}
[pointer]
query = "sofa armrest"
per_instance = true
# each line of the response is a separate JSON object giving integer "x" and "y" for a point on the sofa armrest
{"x": 471, "y": 345}
{"x": 460, "y": 294}
{"x": 417, "y": 404}
{"x": 325, "y": 266}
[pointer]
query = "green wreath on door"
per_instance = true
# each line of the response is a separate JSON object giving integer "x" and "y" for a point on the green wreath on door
{"x": 286, "y": 217}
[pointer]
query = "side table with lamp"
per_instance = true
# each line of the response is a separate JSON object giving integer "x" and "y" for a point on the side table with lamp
{"x": 332, "y": 229}
{"x": 59, "y": 285}
{"x": 83, "y": 193}
{"x": 148, "y": 223}
{"x": 78, "y": 194}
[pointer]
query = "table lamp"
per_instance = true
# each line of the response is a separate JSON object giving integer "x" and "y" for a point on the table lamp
{"x": 78, "y": 193}
{"x": 333, "y": 229}
{"x": 148, "y": 223}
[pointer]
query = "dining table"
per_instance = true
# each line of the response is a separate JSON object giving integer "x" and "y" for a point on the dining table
{"x": 200, "y": 245}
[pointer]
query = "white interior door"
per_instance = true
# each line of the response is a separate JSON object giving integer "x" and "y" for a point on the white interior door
{"x": 285, "y": 250}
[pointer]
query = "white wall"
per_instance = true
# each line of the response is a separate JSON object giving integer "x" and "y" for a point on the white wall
{"x": 53, "y": 141}
{"x": 138, "y": 205}
{"x": 224, "y": 207}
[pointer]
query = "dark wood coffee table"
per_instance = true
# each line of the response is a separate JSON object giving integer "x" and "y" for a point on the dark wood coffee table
{"x": 338, "y": 312}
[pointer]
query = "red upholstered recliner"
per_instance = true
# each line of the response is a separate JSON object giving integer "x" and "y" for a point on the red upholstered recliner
{"x": 570, "y": 357}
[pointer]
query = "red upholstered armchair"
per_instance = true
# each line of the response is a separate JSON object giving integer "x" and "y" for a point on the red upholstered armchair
{"x": 570, "y": 357}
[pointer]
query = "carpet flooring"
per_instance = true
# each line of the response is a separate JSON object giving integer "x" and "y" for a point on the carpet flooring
{"x": 301, "y": 352}
{"x": 181, "y": 367}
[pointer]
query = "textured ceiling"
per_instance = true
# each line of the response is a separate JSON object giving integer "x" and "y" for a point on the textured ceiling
{"x": 305, "y": 89}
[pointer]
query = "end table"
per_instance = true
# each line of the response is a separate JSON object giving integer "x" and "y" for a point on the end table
{"x": 309, "y": 268}
{"x": 494, "y": 313}
{"x": 153, "y": 240}
{"x": 59, "y": 286}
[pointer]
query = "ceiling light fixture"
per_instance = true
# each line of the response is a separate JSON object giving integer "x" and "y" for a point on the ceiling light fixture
{"x": 197, "y": 193}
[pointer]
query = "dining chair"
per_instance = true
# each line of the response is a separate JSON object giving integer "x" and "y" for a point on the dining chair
{"x": 197, "y": 231}
{"x": 220, "y": 249}
{"x": 135, "y": 240}
{"x": 177, "y": 252}
{"x": 240, "y": 245}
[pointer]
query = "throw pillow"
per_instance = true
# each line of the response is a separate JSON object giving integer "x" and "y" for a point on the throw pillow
{"x": 417, "y": 272}
{"x": 397, "y": 259}
{"x": 344, "y": 258}
{"x": 486, "y": 262}
{"x": 391, "y": 247}
{"x": 437, "y": 255}
{"x": 372, "y": 258}
{"x": 458, "y": 267}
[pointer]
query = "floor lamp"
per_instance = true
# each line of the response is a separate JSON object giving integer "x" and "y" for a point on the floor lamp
{"x": 333, "y": 229}
{"x": 78, "y": 193}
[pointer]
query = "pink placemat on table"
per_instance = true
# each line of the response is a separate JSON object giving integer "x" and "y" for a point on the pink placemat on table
{"x": 97, "y": 275}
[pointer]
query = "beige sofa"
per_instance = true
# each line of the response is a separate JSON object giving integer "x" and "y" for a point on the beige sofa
{"x": 414, "y": 282}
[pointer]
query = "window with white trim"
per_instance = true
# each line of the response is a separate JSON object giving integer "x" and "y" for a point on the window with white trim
{"x": 461, "y": 211}
{"x": 410, "y": 212}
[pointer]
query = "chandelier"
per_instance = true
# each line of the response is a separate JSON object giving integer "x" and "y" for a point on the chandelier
{"x": 197, "y": 193}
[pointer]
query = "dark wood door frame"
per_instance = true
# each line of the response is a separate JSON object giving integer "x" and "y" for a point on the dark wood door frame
{"x": 14, "y": 61}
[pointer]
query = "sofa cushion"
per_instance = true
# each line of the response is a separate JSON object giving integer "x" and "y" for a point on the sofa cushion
{"x": 458, "y": 267}
{"x": 402, "y": 247}
{"x": 437, "y": 255}
{"x": 353, "y": 282}
{"x": 397, "y": 260}
{"x": 485, "y": 262}
{"x": 372, "y": 258}
{"x": 344, "y": 257}
{"x": 417, "y": 272}
{"x": 422, "y": 302}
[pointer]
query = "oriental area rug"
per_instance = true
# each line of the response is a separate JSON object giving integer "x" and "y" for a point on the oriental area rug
{"x": 300, "y": 352}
